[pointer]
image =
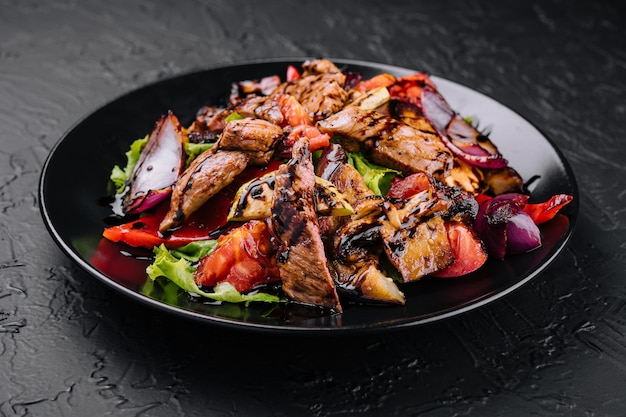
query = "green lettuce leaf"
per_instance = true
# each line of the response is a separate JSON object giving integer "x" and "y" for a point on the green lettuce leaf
{"x": 195, "y": 250}
{"x": 233, "y": 116}
{"x": 194, "y": 149}
{"x": 181, "y": 272}
{"x": 377, "y": 178}
{"x": 121, "y": 176}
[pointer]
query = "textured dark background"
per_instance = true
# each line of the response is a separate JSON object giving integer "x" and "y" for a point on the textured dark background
{"x": 69, "y": 346}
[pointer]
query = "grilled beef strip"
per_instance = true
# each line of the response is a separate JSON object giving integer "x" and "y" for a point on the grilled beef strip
{"x": 302, "y": 261}
{"x": 206, "y": 175}
{"x": 419, "y": 250}
{"x": 261, "y": 107}
{"x": 254, "y": 137}
{"x": 320, "y": 88}
{"x": 390, "y": 142}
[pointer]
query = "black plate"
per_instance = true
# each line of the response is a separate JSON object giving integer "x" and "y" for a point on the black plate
{"x": 75, "y": 176}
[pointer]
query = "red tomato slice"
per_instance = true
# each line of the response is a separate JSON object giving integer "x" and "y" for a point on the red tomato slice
{"x": 245, "y": 258}
{"x": 468, "y": 250}
{"x": 317, "y": 139}
{"x": 292, "y": 111}
{"x": 292, "y": 73}
{"x": 409, "y": 186}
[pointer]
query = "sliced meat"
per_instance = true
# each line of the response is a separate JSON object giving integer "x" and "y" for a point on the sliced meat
{"x": 320, "y": 89}
{"x": 261, "y": 107}
{"x": 302, "y": 262}
{"x": 333, "y": 166}
{"x": 254, "y": 137}
{"x": 419, "y": 250}
{"x": 390, "y": 142}
{"x": 205, "y": 176}
{"x": 208, "y": 124}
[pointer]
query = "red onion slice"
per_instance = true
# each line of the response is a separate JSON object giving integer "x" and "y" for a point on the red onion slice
{"x": 159, "y": 166}
{"x": 505, "y": 228}
{"x": 459, "y": 136}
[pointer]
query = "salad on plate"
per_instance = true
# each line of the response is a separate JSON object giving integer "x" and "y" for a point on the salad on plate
{"x": 322, "y": 188}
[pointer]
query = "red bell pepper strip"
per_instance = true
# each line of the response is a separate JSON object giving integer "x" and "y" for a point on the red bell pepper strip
{"x": 542, "y": 212}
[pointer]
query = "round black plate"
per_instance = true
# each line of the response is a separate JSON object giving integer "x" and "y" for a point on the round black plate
{"x": 75, "y": 177}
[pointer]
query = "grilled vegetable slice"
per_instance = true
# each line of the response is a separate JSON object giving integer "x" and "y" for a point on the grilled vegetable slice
{"x": 254, "y": 199}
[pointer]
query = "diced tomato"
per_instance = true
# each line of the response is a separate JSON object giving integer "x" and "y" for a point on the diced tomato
{"x": 468, "y": 250}
{"x": 245, "y": 258}
{"x": 292, "y": 111}
{"x": 317, "y": 139}
{"x": 409, "y": 186}
{"x": 542, "y": 212}
{"x": 292, "y": 73}
{"x": 380, "y": 80}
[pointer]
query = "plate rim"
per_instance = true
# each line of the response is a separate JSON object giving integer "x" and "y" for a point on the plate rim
{"x": 401, "y": 323}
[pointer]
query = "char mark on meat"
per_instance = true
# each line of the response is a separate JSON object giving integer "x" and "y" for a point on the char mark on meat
{"x": 302, "y": 261}
{"x": 261, "y": 107}
{"x": 320, "y": 89}
{"x": 390, "y": 142}
{"x": 205, "y": 176}
{"x": 333, "y": 166}
{"x": 256, "y": 138}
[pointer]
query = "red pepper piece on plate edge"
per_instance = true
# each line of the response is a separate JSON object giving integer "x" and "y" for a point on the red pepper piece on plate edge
{"x": 539, "y": 212}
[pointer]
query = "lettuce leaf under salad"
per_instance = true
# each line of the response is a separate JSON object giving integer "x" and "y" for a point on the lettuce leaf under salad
{"x": 178, "y": 266}
{"x": 120, "y": 176}
{"x": 377, "y": 178}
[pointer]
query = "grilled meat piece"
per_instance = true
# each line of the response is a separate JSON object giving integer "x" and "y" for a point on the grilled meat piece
{"x": 208, "y": 124}
{"x": 390, "y": 142}
{"x": 302, "y": 262}
{"x": 419, "y": 250}
{"x": 261, "y": 107}
{"x": 320, "y": 89}
{"x": 254, "y": 137}
{"x": 205, "y": 176}
{"x": 333, "y": 166}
